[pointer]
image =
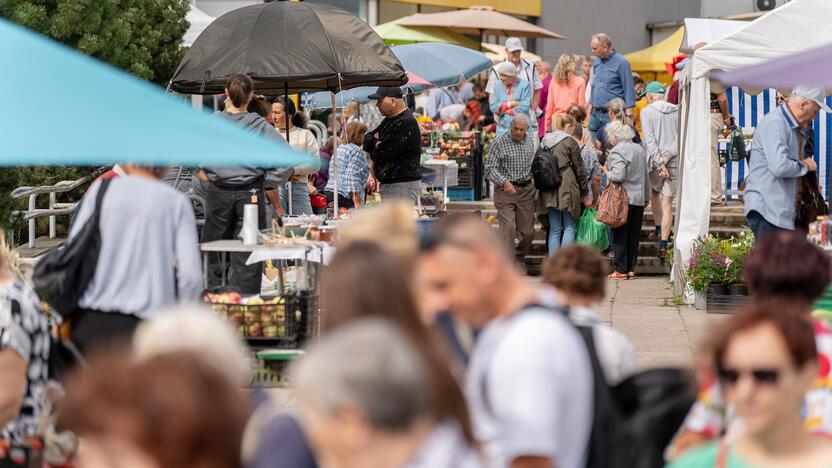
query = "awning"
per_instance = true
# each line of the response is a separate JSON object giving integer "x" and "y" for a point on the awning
{"x": 654, "y": 58}
{"x": 394, "y": 33}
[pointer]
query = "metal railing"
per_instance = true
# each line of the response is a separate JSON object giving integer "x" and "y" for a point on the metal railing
{"x": 55, "y": 209}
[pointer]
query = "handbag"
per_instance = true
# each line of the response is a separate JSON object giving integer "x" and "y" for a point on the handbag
{"x": 810, "y": 202}
{"x": 613, "y": 206}
{"x": 63, "y": 274}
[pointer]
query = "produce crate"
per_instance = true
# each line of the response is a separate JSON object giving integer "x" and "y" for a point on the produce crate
{"x": 724, "y": 303}
{"x": 461, "y": 193}
{"x": 285, "y": 321}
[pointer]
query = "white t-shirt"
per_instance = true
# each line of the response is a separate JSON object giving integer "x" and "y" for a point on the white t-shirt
{"x": 303, "y": 141}
{"x": 529, "y": 387}
{"x": 615, "y": 352}
{"x": 446, "y": 447}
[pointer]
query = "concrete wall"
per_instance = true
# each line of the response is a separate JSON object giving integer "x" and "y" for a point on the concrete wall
{"x": 624, "y": 20}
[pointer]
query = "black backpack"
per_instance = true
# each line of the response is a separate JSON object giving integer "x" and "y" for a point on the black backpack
{"x": 546, "y": 172}
{"x": 636, "y": 419}
{"x": 61, "y": 276}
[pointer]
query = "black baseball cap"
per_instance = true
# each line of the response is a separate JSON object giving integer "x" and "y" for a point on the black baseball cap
{"x": 387, "y": 91}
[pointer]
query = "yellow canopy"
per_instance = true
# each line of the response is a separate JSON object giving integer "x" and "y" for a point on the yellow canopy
{"x": 652, "y": 59}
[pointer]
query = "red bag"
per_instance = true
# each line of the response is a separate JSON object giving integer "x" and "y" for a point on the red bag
{"x": 317, "y": 201}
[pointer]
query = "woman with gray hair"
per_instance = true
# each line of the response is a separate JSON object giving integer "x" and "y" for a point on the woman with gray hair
{"x": 627, "y": 165}
{"x": 365, "y": 398}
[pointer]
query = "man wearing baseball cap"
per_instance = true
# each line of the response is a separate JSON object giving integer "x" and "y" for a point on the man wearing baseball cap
{"x": 395, "y": 147}
{"x": 525, "y": 70}
{"x": 776, "y": 162}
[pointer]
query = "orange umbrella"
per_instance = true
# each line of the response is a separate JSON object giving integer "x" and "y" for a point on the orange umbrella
{"x": 479, "y": 20}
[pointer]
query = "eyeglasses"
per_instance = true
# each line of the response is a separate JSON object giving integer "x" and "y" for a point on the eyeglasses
{"x": 761, "y": 376}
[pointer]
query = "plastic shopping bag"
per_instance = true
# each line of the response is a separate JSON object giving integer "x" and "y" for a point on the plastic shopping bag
{"x": 591, "y": 231}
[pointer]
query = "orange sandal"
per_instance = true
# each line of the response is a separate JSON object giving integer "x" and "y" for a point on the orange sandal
{"x": 617, "y": 276}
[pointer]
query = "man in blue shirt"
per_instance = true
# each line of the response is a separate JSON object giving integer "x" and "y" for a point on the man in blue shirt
{"x": 612, "y": 78}
{"x": 775, "y": 162}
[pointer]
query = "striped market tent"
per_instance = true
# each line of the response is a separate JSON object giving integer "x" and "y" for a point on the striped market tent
{"x": 749, "y": 109}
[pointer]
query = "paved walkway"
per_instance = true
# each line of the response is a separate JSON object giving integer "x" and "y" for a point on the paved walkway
{"x": 663, "y": 334}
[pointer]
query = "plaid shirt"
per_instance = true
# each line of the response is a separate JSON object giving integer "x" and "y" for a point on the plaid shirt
{"x": 352, "y": 171}
{"x": 509, "y": 160}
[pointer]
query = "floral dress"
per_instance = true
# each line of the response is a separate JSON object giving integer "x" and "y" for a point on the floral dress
{"x": 24, "y": 329}
{"x": 711, "y": 418}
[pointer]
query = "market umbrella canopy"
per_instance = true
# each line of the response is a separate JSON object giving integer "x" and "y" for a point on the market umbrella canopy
{"x": 479, "y": 20}
{"x": 394, "y": 33}
{"x": 439, "y": 64}
{"x": 811, "y": 68}
{"x": 288, "y": 46}
{"x": 67, "y": 119}
{"x": 361, "y": 95}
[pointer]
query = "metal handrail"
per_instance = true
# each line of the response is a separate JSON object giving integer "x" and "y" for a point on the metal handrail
{"x": 32, "y": 213}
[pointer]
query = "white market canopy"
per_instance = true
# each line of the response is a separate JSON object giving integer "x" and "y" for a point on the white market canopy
{"x": 797, "y": 26}
{"x": 699, "y": 30}
{"x": 199, "y": 21}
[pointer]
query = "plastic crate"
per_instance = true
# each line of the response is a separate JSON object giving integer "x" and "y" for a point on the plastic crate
{"x": 724, "y": 303}
{"x": 283, "y": 322}
{"x": 461, "y": 193}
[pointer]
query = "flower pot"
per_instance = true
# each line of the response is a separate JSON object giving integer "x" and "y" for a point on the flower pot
{"x": 737, "y": 290}
{"x": 715, "y": 289}
{"x": 700, "y": 300}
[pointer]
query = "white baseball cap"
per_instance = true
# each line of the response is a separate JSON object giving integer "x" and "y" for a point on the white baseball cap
{"x": 813, "y": 94}
{"x": 513, "y": 44}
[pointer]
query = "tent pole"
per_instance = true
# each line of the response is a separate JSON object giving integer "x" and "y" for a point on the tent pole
{"x": 333, "y": 162}
{"x": 286, "y": 121}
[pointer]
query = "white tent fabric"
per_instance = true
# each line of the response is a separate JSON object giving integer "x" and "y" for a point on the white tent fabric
{"x": 698, "y": 30}
{"x": 797, "y": 26}
{"x": 199, "y": 21}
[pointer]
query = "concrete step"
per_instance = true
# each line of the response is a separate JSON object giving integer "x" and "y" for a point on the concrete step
{"x": 645, "y": 248}
{"x": 646, "y": 266}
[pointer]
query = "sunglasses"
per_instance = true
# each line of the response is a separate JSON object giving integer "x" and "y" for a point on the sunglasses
{"x": 761, "y": 376}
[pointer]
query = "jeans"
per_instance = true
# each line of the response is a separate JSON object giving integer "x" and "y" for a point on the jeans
{"x": 760, "y": 226}
{"x": 562, "y": 230}
{"x": 300, "y": 198}
{"x": 597, "y": 121}
{"x": 223, "y": 220}
{"x": 625, "y": 240}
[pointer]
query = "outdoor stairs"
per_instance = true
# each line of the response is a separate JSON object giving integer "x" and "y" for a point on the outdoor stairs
{"x": 725, "y": 222}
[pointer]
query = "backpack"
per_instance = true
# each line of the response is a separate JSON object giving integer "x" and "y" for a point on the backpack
{"x": 546, "y": 173}
{"x": 62, "y": 275}
{"x": 634, "y": 420}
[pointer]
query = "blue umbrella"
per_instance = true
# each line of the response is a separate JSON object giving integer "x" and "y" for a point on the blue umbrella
{"x": 440, "y": 64}
{"x": 64, "y": 108}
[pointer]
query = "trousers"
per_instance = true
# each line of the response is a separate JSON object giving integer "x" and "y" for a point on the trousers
{"x": 516, "y": 217}
{"x": 625, "y": 240}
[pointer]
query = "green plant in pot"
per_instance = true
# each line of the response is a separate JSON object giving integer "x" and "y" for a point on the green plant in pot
{"x": 707, "y": 266}
{"x": 736, "y": 249}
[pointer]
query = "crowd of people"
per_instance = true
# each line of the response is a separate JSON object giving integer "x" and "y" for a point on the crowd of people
{"x": 436, "y": 351}
{"x": 591, "y": 123}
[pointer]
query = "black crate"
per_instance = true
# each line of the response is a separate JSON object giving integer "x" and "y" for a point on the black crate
{"x": 724, "y": 303}
{"x": 286, "y": 321}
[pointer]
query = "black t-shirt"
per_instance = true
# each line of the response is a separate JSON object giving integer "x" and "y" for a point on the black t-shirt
{"x": 395, "y": 147}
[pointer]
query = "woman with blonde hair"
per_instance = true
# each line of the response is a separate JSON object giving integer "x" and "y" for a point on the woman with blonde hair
{"x": 565, "y": 90}
{"x": 562, "y": 207}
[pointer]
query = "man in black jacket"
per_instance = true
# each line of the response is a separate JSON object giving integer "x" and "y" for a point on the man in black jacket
{"x": 395, "y": 147}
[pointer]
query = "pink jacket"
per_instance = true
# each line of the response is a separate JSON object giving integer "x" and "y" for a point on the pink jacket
{"x": 562, "y": 96}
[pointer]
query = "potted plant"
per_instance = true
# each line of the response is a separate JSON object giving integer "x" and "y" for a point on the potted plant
{"x": 706, "y": 267}
{"x": 737, "y": 249}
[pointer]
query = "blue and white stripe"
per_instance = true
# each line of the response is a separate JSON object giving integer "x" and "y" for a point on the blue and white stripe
{"x": 748, "y": 109}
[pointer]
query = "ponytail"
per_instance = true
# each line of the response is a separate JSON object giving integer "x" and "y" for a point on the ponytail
{"x": 239, "y": 88}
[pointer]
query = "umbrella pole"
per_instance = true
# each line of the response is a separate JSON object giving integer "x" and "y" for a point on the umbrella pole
{"x": 286, "y": 119}
{"x": 482, "y": 38}
{"x": 333, "y": 162}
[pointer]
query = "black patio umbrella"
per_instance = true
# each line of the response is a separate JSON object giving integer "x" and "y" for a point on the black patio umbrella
{"x": 288, "y": 47}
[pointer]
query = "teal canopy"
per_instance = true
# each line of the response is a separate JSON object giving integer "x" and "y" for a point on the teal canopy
{"x": 64, "y": 108}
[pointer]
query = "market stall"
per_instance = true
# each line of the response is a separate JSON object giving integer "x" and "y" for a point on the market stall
{"x": 462, "y": 150}
{"x": 770, "y": 36}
